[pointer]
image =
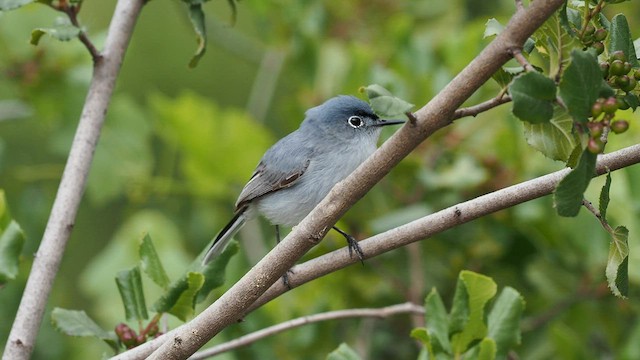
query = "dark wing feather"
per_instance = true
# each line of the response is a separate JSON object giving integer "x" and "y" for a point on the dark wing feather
{"x": 277, "y": 170}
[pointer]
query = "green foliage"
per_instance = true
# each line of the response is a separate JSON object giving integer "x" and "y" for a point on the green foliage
{"x": 343, "y": 352}
{"x": 555, "y": 138}
{"x": 6, "y": 5}
{"x": 78, "y": 323}
{"x": 621, "y": 39}
{"x": 467, "y": 331}
{"x": 130, "y": 286}
{"x": 384, "y": 103}
{"x": 11, "y": 243}
{"x": 582, "y": 84}
{"x": 618, "y": 262}
{"x": 570, "y": 191}
{"x": 151, "y": 264}
{"x": 533, "y": 95}
{"x": 62, "y": 30}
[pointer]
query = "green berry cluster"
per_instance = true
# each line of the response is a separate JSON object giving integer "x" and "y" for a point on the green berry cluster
{"x": 603, "y": 113}
{"x": 618, "y": 72}
{"x": 594, "y": 38}
{"x": 130, "y": 339}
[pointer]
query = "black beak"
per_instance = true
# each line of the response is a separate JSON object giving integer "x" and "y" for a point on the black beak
{"x": 381, "y": 122}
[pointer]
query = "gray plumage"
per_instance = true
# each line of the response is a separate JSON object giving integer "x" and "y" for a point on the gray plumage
{"x": 297, "y": 172}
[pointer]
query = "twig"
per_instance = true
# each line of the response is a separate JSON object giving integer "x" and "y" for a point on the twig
{"x": 245, "y": 340}
{"x": 589, "y": 206}
{"x": 435, "y": 115}
{"x": 65, "y": 207}
{"x": 72, "y": 13}
{"x": 482, "y": 107}
{"x": 517, "y": 54}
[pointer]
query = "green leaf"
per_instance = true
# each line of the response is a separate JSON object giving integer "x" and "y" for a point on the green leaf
{"x": 504, "y": 321}
{"x": 533, "y": 95}
{"x": 487, "y": 350}
{"x": 179, "y": 300}
{"x": 473, "y": 291}
{"x": 555, "y": 139}
{"x": 421, "y": 334}
{"x": 554, "y": 43}
{"x": 196, "y": 15}
{"x": 620, "y": 39}
{"x": 11, "y": 242}
{"x": 6, "y": 5}
{"x": 130, "y": 286}
{"x": 437, "y": 321}
{"x": 384, "y": 103}
{"x": 214, "y": 271}
{"x": 492, "y": 28}
{"x": 604, "y": 196}
{"x": 582, "y": 84}
{"x": 78, "y": 323}
{"x": 632, "y": 100}
{"x": 569, "y": 193}
{"x": 343, "y": 352}
{"x": 618, "y": 262}
{"x": 62, "y": 30}
{"x": 151, "y": 264}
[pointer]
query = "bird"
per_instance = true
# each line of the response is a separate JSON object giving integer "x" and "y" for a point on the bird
{"x": 297, "y": 172}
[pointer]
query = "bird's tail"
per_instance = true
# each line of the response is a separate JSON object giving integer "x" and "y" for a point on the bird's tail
{"x": 225, "y": 236}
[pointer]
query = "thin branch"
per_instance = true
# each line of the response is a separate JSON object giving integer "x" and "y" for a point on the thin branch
{"x": 437, "y": 114}
{"x": 482, "y": 107}
{"x": 589, "y": 206}
{"x": 517, "y": 54}
{"x": 245, "y": 340}
{"x": 519, "y": 6}
{"x": 65, "y": 207}
{"x": 72, "y": 12}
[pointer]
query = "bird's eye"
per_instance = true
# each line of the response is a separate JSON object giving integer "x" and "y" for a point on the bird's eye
{"x": 355, "y": 121}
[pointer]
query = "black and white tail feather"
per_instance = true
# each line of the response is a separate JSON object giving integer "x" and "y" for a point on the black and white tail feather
{"x": 225, "y": 235}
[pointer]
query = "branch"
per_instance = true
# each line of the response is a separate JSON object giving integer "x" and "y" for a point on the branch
{"x": 65, "y": 207}
{"x": 482, "y": 107}
{"x": 288, "y": 325}
{"x": 436, "y": 114}
{"x": 72, "y": 13}
{"x": 440, "y": 221}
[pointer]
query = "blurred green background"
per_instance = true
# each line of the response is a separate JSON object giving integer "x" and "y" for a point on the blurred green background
{"x": 179, "y": 144}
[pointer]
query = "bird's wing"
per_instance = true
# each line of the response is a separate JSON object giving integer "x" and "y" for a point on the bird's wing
{"x": 277, "y": 170}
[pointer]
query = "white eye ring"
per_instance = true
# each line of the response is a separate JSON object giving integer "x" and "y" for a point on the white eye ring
{"x": 355, "y": 121}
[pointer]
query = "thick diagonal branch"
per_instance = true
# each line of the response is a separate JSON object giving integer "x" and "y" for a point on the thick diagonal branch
{"x": 65, "y": 207}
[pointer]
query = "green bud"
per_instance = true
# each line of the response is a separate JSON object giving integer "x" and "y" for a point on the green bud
{"x": 619, "y": 126}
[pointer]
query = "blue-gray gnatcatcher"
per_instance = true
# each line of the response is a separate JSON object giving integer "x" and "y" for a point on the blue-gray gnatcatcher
{"x": 297, "y": 172}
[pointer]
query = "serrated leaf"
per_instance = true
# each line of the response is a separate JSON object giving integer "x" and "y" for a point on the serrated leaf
{"x": 555, "y": 139}
{"x": 533, "y": 95}
{"x": 582, "y": 84}
{"x": 6, "y": 5}
{"x": 504, "y": 321}
{"x": 130, "y": 286}
{"x": 78, "y": 323}
{"x": 214, "y": 271}
{"x": 618, "y": 262}
{"x": 437, "y": 321}
{"x": 478, "y": 290}
{"x": 179, "y": 300}
{"x": 604, "y": 196}
{"x": 384, "y": 103}
{"x": 569, "y": 193}
{"x": 343, "y": 352}
{"x": 487, "y": 349}
{"x": 151, "y": 264}
{"x": 62, "y": 30}
{"x": 492, "y": 27}
{"x": 620, "y": 39}
{"x": 196, "y": 15}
